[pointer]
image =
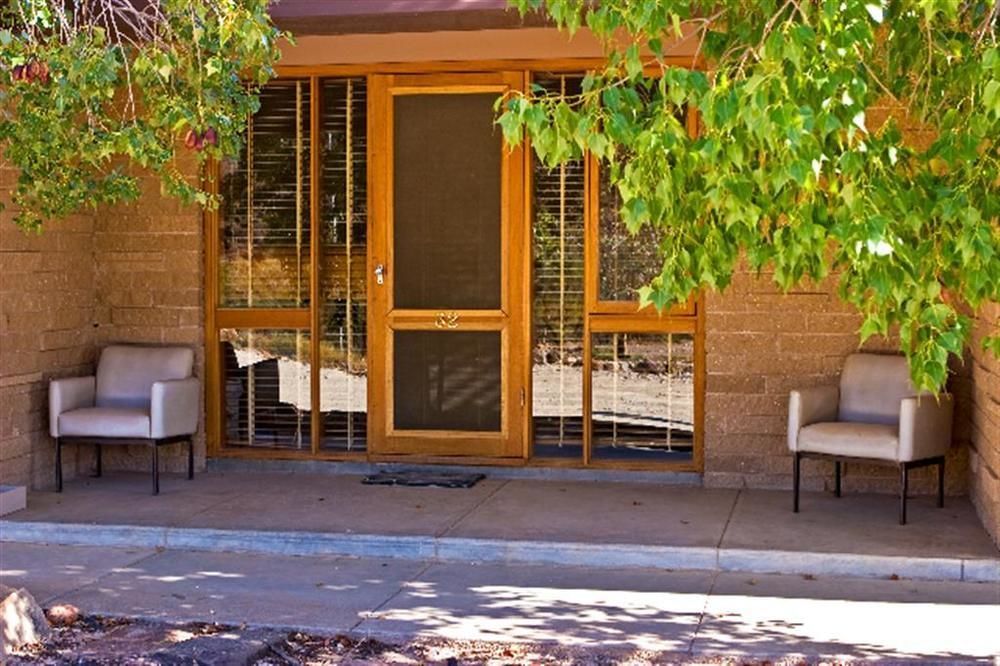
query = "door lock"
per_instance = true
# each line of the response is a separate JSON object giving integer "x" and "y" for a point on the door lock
{"x": 380, "y": 274}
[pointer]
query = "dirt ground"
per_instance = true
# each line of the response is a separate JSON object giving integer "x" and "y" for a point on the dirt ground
{"x": 104, "y": 641}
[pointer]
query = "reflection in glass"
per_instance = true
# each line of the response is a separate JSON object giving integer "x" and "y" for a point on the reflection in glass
{"x": 626, "y": 261}
{"x": 446, "y": 380}
{"x": 643, "y": 396}
{"x": 558, "y": 197}
{"x": 344, "y": 217}
{"x": 264, "y": 216}
{"x": 265, "y": 380}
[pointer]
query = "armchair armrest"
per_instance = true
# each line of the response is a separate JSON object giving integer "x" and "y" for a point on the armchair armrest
{"x": 68, "y": 394}
{"x": 812, "y": 405}
{"x": 925, "y": 427}
{"x": 173, "y": 408}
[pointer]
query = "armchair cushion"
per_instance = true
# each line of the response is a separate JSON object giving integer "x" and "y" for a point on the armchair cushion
{"x": 858, "y": 440}
{"x": 809, "y": 406}
{"x": 174, "y": 407}
{"x": 125, "y": 374}
{"x": 872, "y": 386}
{"x": 105, "y": 422}
{"x": 66, "y": 395}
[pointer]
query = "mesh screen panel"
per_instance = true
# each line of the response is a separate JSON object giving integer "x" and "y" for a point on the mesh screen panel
{"x": 447, "y": 380}
{"x": 446, "y": 202}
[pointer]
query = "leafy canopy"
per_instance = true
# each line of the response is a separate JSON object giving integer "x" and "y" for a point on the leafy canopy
{"x": 89, "y": 87}
{"x": 787, "y": 169}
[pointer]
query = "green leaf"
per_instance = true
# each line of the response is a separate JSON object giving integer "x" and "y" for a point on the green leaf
{"x": 633, "y": 63}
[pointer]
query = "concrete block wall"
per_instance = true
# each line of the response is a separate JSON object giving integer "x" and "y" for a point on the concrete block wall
{"x": 760, "y": 344}
{"x": 47, "y": 296}
{"x": 984, "y": 450}
{"x": 149, "y": 274}
{"x": 131, "y": 273}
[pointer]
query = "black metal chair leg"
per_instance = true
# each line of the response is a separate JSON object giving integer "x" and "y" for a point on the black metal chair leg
{"x": 98, "y": 471}
{"x": 941, "y": 484}
{"x": 59, "y": 479}
{"x": 190, "y": 458}
{"x": 797, "y": 459}
{"x": 156, "y": 469}
{"x": 904, "y": 478}
{"x": 836, "y": 476}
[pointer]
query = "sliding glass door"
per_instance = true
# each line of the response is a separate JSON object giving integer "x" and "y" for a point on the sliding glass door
{"x": 287, "y": 275}
{"x": 385, "y": 278}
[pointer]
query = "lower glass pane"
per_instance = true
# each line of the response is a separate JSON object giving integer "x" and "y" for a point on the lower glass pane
{"x": 447, "y": 380}
{"x": 643, "y": 396}
{"x": 265, "y": 383}
{"x": 344, "y": 376}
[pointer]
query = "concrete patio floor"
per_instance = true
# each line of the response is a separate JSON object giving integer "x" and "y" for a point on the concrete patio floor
{"x": 517, "y": 521}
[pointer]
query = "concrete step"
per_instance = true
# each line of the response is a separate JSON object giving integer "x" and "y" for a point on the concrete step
{"x": 509, "y": 551}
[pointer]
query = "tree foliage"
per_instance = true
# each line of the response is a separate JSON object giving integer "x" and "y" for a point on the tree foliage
{"x": 786, "y": 169}
{"x": 90, "y": 87}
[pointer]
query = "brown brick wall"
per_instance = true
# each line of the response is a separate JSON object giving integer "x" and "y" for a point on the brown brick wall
{"x": 130, "y": 273}
{"x": 760, "y": 344}
{"x": 149, "y": 272}
{"x": 984, "y": 454}
{"x": 47, "y": 296}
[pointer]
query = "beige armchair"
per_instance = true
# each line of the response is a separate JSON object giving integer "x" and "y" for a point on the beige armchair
{"x": 875, "y": 415}
{"x": 140, "y": 395}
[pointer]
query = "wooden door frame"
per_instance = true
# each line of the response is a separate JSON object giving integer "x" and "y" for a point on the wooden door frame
{"x": 383, "y": 318}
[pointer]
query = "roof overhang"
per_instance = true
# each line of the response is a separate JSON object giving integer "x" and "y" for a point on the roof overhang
{"x": 340, "y": 17}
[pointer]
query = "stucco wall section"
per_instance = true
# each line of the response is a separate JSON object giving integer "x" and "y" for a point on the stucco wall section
{"x": 47, "y": 296}
{"x": 456, "y": 46}
{"x": 984, "y": 454}
{"x": 759, "y": 345}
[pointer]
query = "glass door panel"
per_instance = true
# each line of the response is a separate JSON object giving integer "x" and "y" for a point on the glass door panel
{"x": 266, "y": 388}
{"x": 558, "y": 205}
{"x": 343, "y": 345}
{"x": 442, "y": 271}
{"x": 264, "y": 234}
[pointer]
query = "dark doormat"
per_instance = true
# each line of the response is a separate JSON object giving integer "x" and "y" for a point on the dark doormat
{"x": 415, "y": 478}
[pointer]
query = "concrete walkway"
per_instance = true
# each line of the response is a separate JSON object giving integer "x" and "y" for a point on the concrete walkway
{"x": 689, "y": 612}
{"x": 518, "y": 521}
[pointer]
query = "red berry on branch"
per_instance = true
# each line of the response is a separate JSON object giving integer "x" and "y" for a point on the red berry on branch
{"x": 191, "y": 139}
{"x": 211, "y": 138}
{"x": 34, "y": 70}
{"x": 17, "y": 72}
